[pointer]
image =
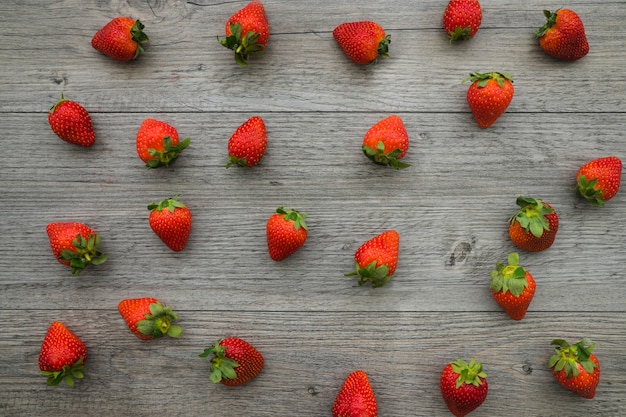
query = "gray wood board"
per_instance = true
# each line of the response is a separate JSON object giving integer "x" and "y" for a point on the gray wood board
{"x": 313, "y": 325}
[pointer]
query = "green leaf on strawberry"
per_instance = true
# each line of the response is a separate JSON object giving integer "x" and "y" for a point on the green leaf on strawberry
{"x": 169, "y": 154}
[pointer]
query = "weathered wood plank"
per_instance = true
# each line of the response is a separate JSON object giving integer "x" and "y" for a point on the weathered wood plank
{"x": 303, "y": 69}
{"x": 307, "y": 358}
{"x": 451, "y": 208}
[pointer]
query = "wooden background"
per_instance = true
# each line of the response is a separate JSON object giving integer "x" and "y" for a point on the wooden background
{"x": 313, "y": 325}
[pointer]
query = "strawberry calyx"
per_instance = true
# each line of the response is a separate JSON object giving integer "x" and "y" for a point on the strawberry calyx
{"x": 295, "y": 216}
{"x": 138, "y": 36}
{"x": 551, "y": 21}
{"x": 222, "y": 367}
{"x": 482, "y": 79}
{"x": 169, "y": 204}
{"x": 85, "y": 252}
{"x": 378, "y": 156}
{"x": 568, "y": 357}
{"x": 233, "y": 160}
{"x": 509, "y": 278}
{"x": 377, "y": 275}
{"x": 383, "y": 47}
{"x": 169, "y": 154}
{"x": 532, "y": 216}
{"x": 469, "y": 373}
{"x": 587, "y": 189}
{"x": 460, "y": 34}
{"x": 67, "y": 373}
{"x": 159, "y": 322}
{"x": 244, "y": 45}
{"x": 53, "y": 108}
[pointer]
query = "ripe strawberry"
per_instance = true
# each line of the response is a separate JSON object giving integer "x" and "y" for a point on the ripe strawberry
{"x": 120, "y": 39}
{"x": 575, "y": 367}
{"x": 599, "y": 180}
{"x": 363, "y": 42}
{"x": 356, "y": 397}
{"x": 489, "y": 96}
{"x": 247, "y": 32}
{"x": 234, "y": 361}
{"x": 157, "y": 143}
{"x": 463, "y": 386}
{"x": 563, "y": 35}
{"x": 247, "y": 145}
{"x": 386, "y": 142}
{"x": 462, "y": 18}
{"x": 62, "y": 355}
{"x": 286, "y": 233}
{"x": 147, "y": 318}
{"x": 376, "y": 260}
{"x": 170, "y": 220}
{"x": 512, "y": 287}
{"x": 534, "y": 226}
{"x": 75, "y": 245}
{"x": 71, "y": 122}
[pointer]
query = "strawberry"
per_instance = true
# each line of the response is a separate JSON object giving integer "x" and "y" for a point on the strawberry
{"x": 512, "y": 287}
{"x": 463, "y": 386}
{"x": 147, "y": 318}
{"x": 534, "y": 226}
{"x": 386, "y": 142}
{"x": 170, "y": 220}
{"x": 376, "y": 260}
{"x": 461, "y": 19}
{"x": 71, "y": 122}
{"x": 575, "y": 367}
{"x": 356, "y": 397}
{"x": 234, "y": 361}
{"x": 247, "y": 144}
{"x": 120, "y": 39}
{"x": 75, "y": 245}
{"x": 157, "y": 143}
{"x": 62, "y": 355}
{"x": 363, "y": 42}
{"x": 489, "y": 96}
{"x": 286, "y": 233}
{"x": 247, "y": 32}
{"x": 599, "y": 180}
{"x": 563, "y": 35}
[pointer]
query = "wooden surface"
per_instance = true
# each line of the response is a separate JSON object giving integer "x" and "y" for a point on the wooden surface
{"x": 313, "y": 325}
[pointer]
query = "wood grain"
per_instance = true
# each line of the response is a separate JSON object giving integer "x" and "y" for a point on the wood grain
{"x": 313, "y": 325}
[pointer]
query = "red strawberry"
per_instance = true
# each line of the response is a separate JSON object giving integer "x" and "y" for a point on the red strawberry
{"x": 286, "y": 233}
{"x": 599, "y": 180}
{"x": 247, "y": 32}
{"x": 234, "y": 361}
{"x": 575, "y": 367}
{"x": 157, "y": 143}
{"x": 120, "y": 39}
{"x": 386, "y": 142}
{"x": 489, "y": 96}
{"x": 72, "y": 123}
{"x": 512, "y": 287}
{"x": 461, "y": 19}
{"x": 563, "y": 35}
{"x": 534, "y": 226}
{"x": 356, "y": 397}
{"x": 247, "y": 145}
{"x": 463, "y": 386}
{"x": 171, "y": 221}
{"x": 363, "y": 42}
{"x": 75, "y": 245}
{"x": 62, "y": 355}
{"x": 376, "y": 260}
{"x": 147, "y": 318}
